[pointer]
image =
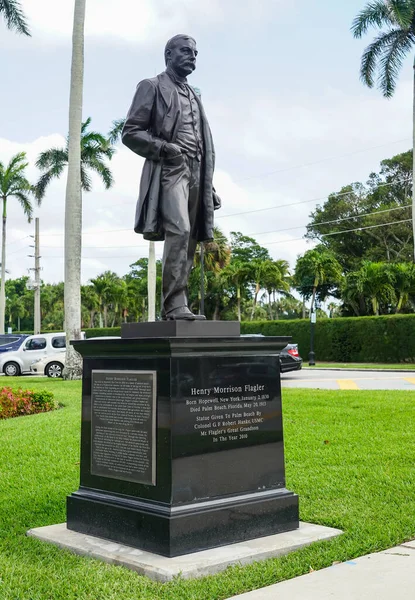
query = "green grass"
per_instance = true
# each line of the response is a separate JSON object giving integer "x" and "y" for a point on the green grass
{"x": 349, "y": 455}
{"x": 334, "y": 365}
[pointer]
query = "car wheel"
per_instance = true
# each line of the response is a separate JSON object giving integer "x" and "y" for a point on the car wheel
{"x": 54, "y": 369}
{"x": 11, "y": 369}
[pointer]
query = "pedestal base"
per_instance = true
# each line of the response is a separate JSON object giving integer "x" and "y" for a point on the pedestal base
{"x": 183, "y": 529}
{"x": 198, "y": 564}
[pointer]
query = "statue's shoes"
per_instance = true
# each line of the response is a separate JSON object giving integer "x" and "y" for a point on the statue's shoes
{"x": 183, "y": 314}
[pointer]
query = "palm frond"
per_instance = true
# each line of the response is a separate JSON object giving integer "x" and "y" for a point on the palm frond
{"x": 403, "y": 13}
{"x": 391, "y": 61}
{"x": 86, "y": 182}
{"x": 19, "y": 183}
{"x": 381, "y": 13}
{"x": 102, "y": 170}
{"x": 114, "y": 135}
{"x": 94, "y": 138}
{"x": 85, "y": 125}
{"x": 372, "y": 54}
{"x": 25, "y": 204}
{"x": 16, "y": 160}
{"x": 12, "y": 177}
{"x": 97, "y": 150}
{"x": 52, "y": 157}
{"x": 14, "y": 16}
{"x": 54, "y": 172}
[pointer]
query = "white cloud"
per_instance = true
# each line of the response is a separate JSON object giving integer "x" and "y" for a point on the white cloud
{"x": 139, "y": 20}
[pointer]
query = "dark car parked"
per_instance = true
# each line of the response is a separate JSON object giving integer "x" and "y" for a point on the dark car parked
{"x": 290, "y": 359}
{"x": 11, "y": 341}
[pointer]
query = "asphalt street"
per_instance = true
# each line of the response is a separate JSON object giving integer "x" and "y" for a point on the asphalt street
{"x": 349, "y": 380}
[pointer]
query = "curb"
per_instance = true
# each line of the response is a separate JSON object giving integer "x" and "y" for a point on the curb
{"x": 359, "y": 369}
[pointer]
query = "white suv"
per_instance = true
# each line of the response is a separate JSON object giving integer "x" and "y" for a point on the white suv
{"x": 32, "y": 348}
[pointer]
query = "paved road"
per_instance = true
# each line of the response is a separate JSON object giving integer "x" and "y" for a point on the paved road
{"x": 349, "y": 380}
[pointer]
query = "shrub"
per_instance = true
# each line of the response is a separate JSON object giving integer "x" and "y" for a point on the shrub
{"x": 385, "y": 339}
{"x": 16, "y": 403}
{"x": 99, "y": 332}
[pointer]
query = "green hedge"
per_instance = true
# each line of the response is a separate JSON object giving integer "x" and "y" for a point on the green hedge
{"x": 99, "y": 332}
{"x": 387, "y": 339}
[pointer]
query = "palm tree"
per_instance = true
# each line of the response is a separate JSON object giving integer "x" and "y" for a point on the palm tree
{"x": 90, "y": 302}
{"x": 402, "y": 276}
{"x": 315, "y": 268}
{"x": 87, "y": 154}
{"x": 13, "y": 14}
{"x": 95, "y": 149}
{"x": 375, "y": 282}
{"x": 216, "y": 256}
{"x": 351, "y": 295}
{"x": 237, "y": 274}
{"x": 105, "y": 286}
{"x": 276, "y": 280}
{"x": 217, "y": 253}
{"x": 271, "y": 275}
{"x": 13, "y": 184}
{"x": 114, "y": 135}
{"x": 386, "y": 53}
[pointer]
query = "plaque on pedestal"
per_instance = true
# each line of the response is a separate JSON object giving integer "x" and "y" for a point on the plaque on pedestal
{"x": 182, "y": 443}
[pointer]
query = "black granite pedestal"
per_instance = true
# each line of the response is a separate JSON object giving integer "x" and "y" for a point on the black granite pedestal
{"x": 182, "y": 441}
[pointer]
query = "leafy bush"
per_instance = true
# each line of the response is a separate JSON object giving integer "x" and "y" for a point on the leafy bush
{"x": 99, "y": 332}
{"x": 16, "y": 403}
{"x": 385, "y": 339}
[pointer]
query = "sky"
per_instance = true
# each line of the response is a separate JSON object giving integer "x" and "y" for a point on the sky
{"x": 290, "y": 118}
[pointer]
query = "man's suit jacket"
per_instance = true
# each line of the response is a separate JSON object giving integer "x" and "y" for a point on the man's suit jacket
{"x": 154, "y": 118}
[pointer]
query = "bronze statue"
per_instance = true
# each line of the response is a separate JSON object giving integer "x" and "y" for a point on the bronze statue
{"x": 167, "y": 125}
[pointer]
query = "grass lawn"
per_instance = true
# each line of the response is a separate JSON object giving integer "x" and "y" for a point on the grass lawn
{"x": 350, "y": 456}
{"x": 332, "y": 365}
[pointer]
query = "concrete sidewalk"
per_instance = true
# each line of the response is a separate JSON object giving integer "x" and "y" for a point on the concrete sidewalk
{"x": 380, "y": 576}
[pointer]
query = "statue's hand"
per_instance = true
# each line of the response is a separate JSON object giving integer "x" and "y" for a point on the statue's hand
{"x": 171, "y": 150}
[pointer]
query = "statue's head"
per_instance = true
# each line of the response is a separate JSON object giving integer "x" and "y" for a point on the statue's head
{"x": 180, "y": 54}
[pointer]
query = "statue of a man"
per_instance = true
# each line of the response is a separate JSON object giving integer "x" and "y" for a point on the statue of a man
{"x": 167, "y": 125}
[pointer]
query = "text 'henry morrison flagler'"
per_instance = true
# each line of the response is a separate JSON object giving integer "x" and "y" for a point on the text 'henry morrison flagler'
{"x": 226, "y": 390}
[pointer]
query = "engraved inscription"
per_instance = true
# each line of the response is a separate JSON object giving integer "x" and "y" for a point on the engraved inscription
{"x": 123, "y": 425}
{"x": 231, "y": 417}
{"x": 244, "y": 411}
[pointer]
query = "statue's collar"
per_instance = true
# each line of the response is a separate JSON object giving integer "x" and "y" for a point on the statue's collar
{"x": 175, "y": 77}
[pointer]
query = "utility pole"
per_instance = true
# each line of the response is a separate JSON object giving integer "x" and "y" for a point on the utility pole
{"x": 36, "y": 284}
{"x": 313, "y": 318}
{"x": 37, "y": 277}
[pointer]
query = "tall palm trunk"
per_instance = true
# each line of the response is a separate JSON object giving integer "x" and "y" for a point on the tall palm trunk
{"x": 3, "y": 267}
{"x": 270, "y": 304}
{"x": 151, "y": 282}
{"x": 73, "y": 201}
{"x": 257, "y": 289}
{"x": 413, "y": 164}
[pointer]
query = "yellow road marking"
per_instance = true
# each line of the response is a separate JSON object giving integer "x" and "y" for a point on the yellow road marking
{"x": 410, "y": 379}
{"x": 347, "y": 384}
